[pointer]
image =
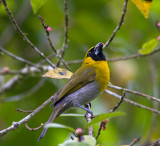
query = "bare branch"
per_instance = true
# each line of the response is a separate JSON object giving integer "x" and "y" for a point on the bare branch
{"x": 119, "y": 103}
{"x": 118, "y": 26}
{"x": 20, "y": 16}
{"x": 156, "y": 143}
{"x": 15, "y": 125}
{"x": 33, "y": 129}
{"x": 24, "y": 36}
{"x": 25, "y": 71}
{"x": 134, "y": 141}
{"x": 132, "y": 102}
{"x": 134, "y": 56}
{"x": 116, "y": 107}
{"x": 134, "y": 92}
{"x": 23, "y": 111}
{"x": 65, "y": 45}
{"x": 51, "y": 44}
{"x": 10, "y": 84}
{"x": 19, "y": 58}
{"x": 21, "y": 96}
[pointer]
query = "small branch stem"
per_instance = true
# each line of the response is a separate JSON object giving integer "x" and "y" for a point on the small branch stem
{"x": 19, "y": 58}
{"x": 33, "y": 129}
{"x": 134, "y": 141}
{"x": 23, "y": 111}
{"x": 51, "y": 44}
{"x": 15, "y": 125}
{"x": 24, "y": 36}
{"x": 118, "y": 26}
{"x": 132, "y": 102}
{"x": 134, "y": 92}
{"x": 116, "y": 107}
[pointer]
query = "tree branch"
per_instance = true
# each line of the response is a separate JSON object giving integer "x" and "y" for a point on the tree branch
{"x": 10, "y": 84}
{"x": 33, "y": 129}
{"x": 118, "y": 26}
{"x": 24, "y": 36}
{"x": 134, "y": 92}
{"x": 156, "y": 143}
{"x": 15, "y": 125}
{"x": 134, "y": 56}
{"x": 19, "y": 58}
{"x": 51, "y": 44}
{"x": 132, "y": 102}
{"x": 134, "y": 141}
{"x": 21, "y": 96}
{"x": 116, "y": 107}
{"x": 25, "y": 71}
{"x": 23, "y": 111}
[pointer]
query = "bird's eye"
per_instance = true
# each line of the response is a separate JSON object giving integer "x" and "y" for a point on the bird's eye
{"x": 89, "y": 53}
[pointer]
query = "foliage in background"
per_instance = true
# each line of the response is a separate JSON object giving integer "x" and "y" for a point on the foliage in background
{"x": 89, "y": 23}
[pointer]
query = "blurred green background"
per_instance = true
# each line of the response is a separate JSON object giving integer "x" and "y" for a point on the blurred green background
{"x": 90, "y": 22}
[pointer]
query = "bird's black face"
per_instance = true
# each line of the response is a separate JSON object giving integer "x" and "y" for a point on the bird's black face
{"x": 96, "y": 53}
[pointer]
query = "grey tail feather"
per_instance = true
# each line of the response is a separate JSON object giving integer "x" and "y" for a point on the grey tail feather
{"x": 51, "y": 118}
{"x": 56, "y": 112}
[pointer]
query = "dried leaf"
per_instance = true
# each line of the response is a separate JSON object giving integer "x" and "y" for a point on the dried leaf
{"x": 143, "y": 6}
{"x": 58, "y": 73}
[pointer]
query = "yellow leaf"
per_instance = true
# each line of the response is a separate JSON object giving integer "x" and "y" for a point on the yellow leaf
{"x": 143, "y": 6}
{"x": 58, "y": 73}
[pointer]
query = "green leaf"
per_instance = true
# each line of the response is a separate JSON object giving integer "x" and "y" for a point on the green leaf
{"x": 104, "y": 116}
{"x": 36, "y": 4}
{"x": 88, "y": 141}
{"x": 74, "y": 143}
{"x": 71, "y": 115}
{"x": 148, "y": 47}
{"x": 56, "y": 125}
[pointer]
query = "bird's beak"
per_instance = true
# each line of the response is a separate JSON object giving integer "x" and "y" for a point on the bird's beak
{"x": 98, "y": 48}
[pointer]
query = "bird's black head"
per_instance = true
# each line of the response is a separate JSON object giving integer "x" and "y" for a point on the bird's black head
{"x": 96, "y": 53}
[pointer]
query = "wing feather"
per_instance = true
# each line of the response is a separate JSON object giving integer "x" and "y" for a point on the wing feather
{"x": 80, "y": 78}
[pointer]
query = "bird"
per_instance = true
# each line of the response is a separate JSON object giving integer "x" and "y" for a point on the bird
{"x": 85, "y": 84}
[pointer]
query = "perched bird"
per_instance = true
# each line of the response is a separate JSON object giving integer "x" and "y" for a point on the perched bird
{"x": 85, "y": 84}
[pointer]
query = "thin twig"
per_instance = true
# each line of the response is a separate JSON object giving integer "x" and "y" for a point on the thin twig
{"x": 134, "y": 92}
{"x": 115, "y": 107}
{"x": 15, "y": 125}
{"x": 21, "y": 96}
{"x": 134, "y": 141}
{"x": 119, "y": 103}
{"x": 11, "y": 72}
{"x": 33, "y": 129}
{"x": 134, "y": 56}
{"x": 20, "y": 16}
{"x": 23, "y": 111}
{"x": 24, "y": 36}
{"x": 25, "y": 71}
{"x": 19, "y": 58}
{"x": 118, "y": 26}
{"x": 51, "y": 44}
{"x": 65, "y": 45}
{"x": 156, "y": 143}
{"x": 99, "y": 130}
{"x": 132, "y": 102}
{"x": 10, "y": 84}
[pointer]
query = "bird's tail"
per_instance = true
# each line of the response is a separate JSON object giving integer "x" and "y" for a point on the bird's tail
{"x": 56, "y": 112}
